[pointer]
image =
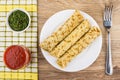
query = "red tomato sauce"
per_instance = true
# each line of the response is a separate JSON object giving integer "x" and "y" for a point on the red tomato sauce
{"x": 15, "y": 57}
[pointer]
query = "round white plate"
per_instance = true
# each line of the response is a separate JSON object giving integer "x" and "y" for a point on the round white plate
{"x": 86, "y": 57}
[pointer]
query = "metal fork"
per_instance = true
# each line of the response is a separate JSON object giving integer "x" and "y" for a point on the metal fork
{"x": 107, "y": 24}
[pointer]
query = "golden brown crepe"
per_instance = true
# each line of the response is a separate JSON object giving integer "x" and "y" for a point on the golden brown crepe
{"x": 49, "y": 43}
{"x": 85, "y": 41}
{"x": 75, "y": 35}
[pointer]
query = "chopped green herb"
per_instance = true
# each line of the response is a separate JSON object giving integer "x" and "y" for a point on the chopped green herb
{"x": 18, "y": 20}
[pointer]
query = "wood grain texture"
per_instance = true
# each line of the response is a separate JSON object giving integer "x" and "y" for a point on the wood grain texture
{"x": 96, "y": 71}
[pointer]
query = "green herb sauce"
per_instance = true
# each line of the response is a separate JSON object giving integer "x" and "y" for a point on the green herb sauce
{"x": 18, "y": 20}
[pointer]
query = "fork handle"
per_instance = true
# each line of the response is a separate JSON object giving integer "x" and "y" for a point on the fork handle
{"x": 109, "y": 68}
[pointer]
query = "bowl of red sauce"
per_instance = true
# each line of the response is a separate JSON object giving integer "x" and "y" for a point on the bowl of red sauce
{"x": 17, "y": 57}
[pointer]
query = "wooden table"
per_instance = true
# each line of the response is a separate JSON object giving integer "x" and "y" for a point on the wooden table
{"x": 95, "y": 8}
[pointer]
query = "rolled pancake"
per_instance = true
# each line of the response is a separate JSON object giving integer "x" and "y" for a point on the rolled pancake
{"x": 75, "y": 35}
{"x": 50, "y": 42}
{"x": 85, "y": 41}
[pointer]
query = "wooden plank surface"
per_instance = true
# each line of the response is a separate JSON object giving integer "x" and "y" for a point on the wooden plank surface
{"x": 96, "y": 71}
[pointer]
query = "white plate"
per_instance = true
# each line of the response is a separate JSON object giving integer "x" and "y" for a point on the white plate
{"x": 86, "y": 57}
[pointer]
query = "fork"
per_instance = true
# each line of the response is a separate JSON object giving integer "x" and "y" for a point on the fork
{"x": 107, "y": 22}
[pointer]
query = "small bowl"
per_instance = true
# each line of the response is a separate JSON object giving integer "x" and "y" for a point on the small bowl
{"x": 7, "y": 22}
{"x": 15, "y": 63}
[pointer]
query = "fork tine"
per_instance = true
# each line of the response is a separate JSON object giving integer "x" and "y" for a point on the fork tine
{"x": 111, "y": 7}
{"x": 105, "y": 12}
{"x": 109, "y": 13}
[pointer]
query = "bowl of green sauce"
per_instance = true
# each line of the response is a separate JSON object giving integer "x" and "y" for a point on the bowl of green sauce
{"x": 18, "y": 20}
